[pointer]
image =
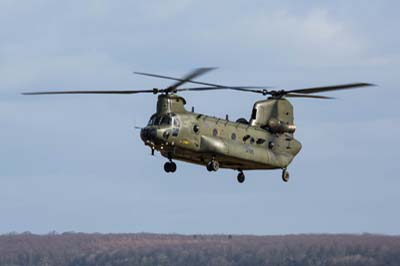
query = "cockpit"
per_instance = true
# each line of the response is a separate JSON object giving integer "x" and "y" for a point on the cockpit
{"x": 169, "y": 119}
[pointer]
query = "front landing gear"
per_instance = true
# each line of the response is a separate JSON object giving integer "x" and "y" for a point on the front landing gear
{"x": 240, "y": 176}
{"x": 170, "y": 167}
{"x": 213, "y": 165}
{"x": 285, "y": 175}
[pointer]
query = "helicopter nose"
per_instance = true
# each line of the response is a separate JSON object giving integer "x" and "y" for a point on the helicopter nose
{"x": 148, "y": 134}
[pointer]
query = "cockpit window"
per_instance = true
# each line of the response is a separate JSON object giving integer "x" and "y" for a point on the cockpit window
{"x": 157, "y": 121}
{"x": 166, "y": 120}
{"x": 254, "y": 114}
{"x": 151, "y": 121}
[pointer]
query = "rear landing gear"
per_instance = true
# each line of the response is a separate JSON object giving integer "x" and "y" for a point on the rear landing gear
{"x": 285, "y": 175}
{"x": 240, "y": 177}
{"x": 170, "y": 167}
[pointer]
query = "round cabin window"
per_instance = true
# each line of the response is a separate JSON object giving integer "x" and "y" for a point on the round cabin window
{"x": 271, "y": 144}
{"x": 215, "y": 132}
{"x": 233, "y": 136}
{"x": 196, "y": 128}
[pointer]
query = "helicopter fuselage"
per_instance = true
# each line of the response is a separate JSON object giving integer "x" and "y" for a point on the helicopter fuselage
{"x": 196, "y": 138}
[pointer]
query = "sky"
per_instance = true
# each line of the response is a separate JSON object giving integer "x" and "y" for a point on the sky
{"x": 76, "y": 162}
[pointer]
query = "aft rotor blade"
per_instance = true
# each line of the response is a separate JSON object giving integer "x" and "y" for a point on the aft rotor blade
{"x": 261, "y": 90}
{"x": 330, "y": 88}
{"x": 91, "y": 92}
{"x": 296, "y": 95}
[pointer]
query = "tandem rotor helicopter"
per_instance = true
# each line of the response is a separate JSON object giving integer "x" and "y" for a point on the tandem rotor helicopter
{"x": 264, "y": 142}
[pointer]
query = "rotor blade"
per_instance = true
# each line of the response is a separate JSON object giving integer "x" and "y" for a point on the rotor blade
{"x": 187, "y": 78}
{"x": 210, "y": 88}
{"x": 295, "y": 95}
{"x": 195, "y": 73}
{"x": 91, "y": 92}
{"x": 183, "y": 80}
{"x": 331, "y": 88}
{"x": 218, "y": 88}
{"x": 261, "y": 90}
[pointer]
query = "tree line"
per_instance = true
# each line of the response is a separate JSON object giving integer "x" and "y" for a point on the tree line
{"x": 159, "y": 249}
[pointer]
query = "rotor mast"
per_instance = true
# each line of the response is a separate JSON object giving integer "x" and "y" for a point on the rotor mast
{"x": 170, "y": 103}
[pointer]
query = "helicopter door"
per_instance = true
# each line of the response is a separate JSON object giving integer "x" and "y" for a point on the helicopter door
{"x": 175, "y": 126}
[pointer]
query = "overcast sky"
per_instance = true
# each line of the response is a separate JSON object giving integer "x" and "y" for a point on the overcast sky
{"x": 76, "y": 163}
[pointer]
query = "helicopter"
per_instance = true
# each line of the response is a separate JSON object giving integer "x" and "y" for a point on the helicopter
{"x": 264, "y": 142}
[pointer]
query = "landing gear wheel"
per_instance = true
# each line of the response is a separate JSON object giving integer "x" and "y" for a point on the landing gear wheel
{"x": 240, "y": 177}
{"x": 213, "y": 166}
{"x": 285, "y": 175}
{"x": 170, "y": 167}
{"x": 167, "y": 167}
{"x": 173, "y": 167}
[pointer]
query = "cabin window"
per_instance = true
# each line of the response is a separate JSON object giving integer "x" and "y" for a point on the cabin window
{"x": 271, "y": 145}
{"x": 196, "y": 128}
{"x": 175, "y": 132}
{"x": 176, "y": 122}
{"x": 254, "y": 113}
{"x": 246, "y": 138}
{"x": 215, "y": 132}
{"x": 251, "y": 140}
{"x": 260, "y": 141}
{"x": 233, "y": 136}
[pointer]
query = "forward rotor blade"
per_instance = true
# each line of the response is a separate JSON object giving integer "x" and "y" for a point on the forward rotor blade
{"x": 219, "y": 88}
{"x": 185, "y": 80}
{"x": 210, "y": 88}
{"x": 195, "y": 73}
{"x": 91, "y": 92}
{"x": 331, "y": 88}
{"x": 295, "y": 95}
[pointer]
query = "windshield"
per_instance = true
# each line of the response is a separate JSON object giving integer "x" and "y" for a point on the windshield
{"x": 151, "y": 121}
{"x": 165, "y": 120}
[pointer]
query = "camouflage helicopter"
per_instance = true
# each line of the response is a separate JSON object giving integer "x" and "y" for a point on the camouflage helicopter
{"x": 264, "y": 142}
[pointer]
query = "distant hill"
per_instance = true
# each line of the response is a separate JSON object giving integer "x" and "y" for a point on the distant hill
{"x": 154, "y": 249}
